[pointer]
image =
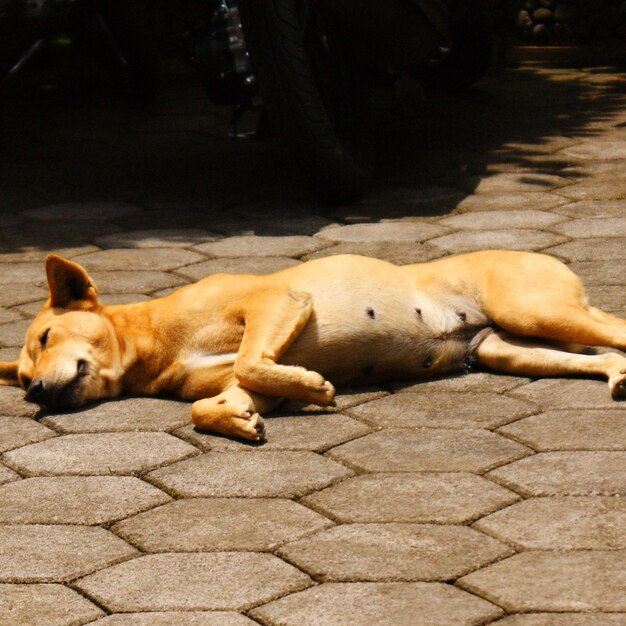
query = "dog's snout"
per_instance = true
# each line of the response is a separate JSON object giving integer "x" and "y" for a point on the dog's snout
{"x": 38, "y": 390}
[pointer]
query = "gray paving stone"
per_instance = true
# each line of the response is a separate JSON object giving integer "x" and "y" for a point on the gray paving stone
{"x": 398, "y": 252}
{"x": 591, "y": 580}
{"x": 135, "y": 281}
{"x": 76, "y": 499}
{"x": 57, "y": 553}
{"x": 595, "y": 273}
{"x": 346, "y": 397}
{"x": 299, "y": 432}
{"x": 527, "y": 201}
{"x": 44, "y": 605}
{"x": 439, "y": 409}
{"x": 593, "y": 208}
{"x": 179, "y": 618}
{"x": 566, "y": 474}
{"x": 129, "y": 414}
{"x": 372, "y": 604}
{"x": 250, "y": 474}
{"x": 220, "y": 524}
{"x": 20, "y": 431}
{"x": 427, "y": 450}
{"x": 441, "y": 498}
{"x": 159, "y": 238}
{"x": 30, "y": 274}
{"x": 138, "y": 259}
{"x": 505, "y": 219}
{"x": 286, "y": 246}
{"x": 13, "y": 333}
{"x": 407, "y": 200}
{"x": 80, "y": 211}
{"x": 12, "y": 403}
{"x": 516, "y": 239}
{"x": 610, "y": 298}
{"x": 7, "y": 315}
{"x": 519, "y": 182}
{"x": 567, "y": 523}
{"x": 242, "y": 265}
{"x": 562, "y": 393}
{"x": 390, "y": 231}
{"x": 16, "y": 293}
{"x": 7, "y": 475}
{"x": 393, "y": 552}
{"x": 598, "y": 149}
{"x": 480, "y": 382}
{"x": 594, "y": 249}
{"x": 583, "y": 429}
{"x": 98, "y": 454}
{"x": 171, "y": 582}
{"x": 594, "y": 227}
{"x": 564, "y": 619}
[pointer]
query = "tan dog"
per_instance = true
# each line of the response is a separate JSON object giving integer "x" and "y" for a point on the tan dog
{"x": 237, "y": 345}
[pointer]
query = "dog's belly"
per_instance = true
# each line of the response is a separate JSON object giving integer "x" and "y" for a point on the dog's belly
{"x": 364, "y": 329}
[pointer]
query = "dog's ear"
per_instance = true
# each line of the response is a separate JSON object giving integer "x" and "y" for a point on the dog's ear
{"x": 8, "y": 373}
{"x": 70, "y": 285}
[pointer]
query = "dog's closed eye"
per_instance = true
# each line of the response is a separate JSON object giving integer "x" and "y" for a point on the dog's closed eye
{"x": 43, "y": 340}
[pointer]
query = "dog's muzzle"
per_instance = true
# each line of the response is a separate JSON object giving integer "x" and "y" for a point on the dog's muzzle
{"x": 55, "y": 396}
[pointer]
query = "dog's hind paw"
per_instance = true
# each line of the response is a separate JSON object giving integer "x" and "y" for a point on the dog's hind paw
{"x": 251, "y": 427}
{"x": 617, "y": 384}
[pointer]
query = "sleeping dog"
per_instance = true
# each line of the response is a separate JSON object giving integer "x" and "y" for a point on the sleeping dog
{"x": 237, "y": 345}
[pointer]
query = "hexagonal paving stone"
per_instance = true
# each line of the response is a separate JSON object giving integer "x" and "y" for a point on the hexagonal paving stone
{"x": 490, "y": 220}
{"x": 7, "y": 475}
{"x": 561, "y": 393}
{"x": 98, "y": 454}
{"x": 240, "y": 265}
{"x": 13, "y": 333}
{"x": 294, "y": 246}
{"x": 345, "y": 398}
{"x": 160, "y": 238}
{"x": 454, "y": 498}
{"x": 373, "y": 604}
{"x": 170, "y": 582}
{"x": 516, "y": 182}
{"x": 531, "y": 201}
{"x": 57, "y": 553}
{"x": 76, "y": 499}
{"x": 44, "y": 605}
{"x": 599, "y": 273}
{"x": 593, "y": 208}
{"x": 28, "y": 273}
{"x": 429, "y": 449}
{"x": 219, "y": 524}
{"x": 566, "y": 474}
{"x": 591, "y": 580}
{"x": 135, "y": 281}
{"x": 609, "y": 298}
{"x": 571, "y": 430}
{"x": 129, "y": 414}
{"x": 15, "y": 293}
{"x": 138, "y": 259}
{"x": 393, "y": 552}
{"x": 606, "y": 249}
{"x": 7, "y": 315}
{"x": 479, "y": 382}
{"x": 301, "y": 432}
{"x": 565, "y": 619}
{"x": 600, "y": 149}
{"x": 19, "y": 431}
{"x": 598, "y": 188}
{"x": 444, "y": 410}
{"x": 179, "y": 618}
{"x": 571, "y": 523}
{"x": 250, "y": 474}
{"x": 390, "y": 231}
{"x": 594, "y": 227}
{"x": 398, "y": 252}
{"x": 516, "y": 239}
{"x": 12, "y": 403}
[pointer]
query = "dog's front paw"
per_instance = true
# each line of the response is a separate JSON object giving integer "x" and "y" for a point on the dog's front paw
{"x": 320, "y": 391}
{"x": 250, "y": 427}
{"x": 617, "y": 385}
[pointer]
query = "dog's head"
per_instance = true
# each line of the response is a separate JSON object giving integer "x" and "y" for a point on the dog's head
{"x": 71, "y": 354}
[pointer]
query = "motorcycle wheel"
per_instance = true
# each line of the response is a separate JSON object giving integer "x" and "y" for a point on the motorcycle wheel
{"x": 471, "y": 50}
{"x": 315, "y": 94}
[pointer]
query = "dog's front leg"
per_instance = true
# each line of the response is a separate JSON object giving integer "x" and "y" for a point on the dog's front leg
{"x": 271, "y": 325}
{"x": 234, "y": 412}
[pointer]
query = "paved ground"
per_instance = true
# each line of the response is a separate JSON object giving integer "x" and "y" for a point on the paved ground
{"x": 473, "y": 500}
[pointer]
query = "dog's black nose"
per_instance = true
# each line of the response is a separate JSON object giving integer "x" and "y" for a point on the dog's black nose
{"x": 37, "y": 391}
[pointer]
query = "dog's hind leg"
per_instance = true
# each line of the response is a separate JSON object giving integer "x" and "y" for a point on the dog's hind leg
{"x": 271, "y": 326}
{"x": 234, "y": 412}
{"x": 515, "y": 355}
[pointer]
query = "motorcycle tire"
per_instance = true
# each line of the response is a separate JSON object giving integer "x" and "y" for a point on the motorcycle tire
{"x": 320, "y": 111}
{"x": 470, "y": 53}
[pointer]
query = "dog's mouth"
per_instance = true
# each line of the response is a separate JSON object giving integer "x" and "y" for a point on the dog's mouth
{"x": 54, "y": 396}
